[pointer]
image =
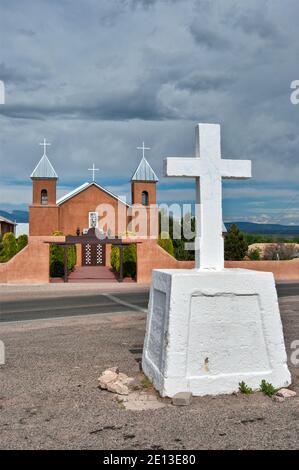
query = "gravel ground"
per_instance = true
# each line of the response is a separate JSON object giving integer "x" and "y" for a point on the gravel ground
{"x": 49, "y": 397}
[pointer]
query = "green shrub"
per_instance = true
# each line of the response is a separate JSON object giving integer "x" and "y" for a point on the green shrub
{"x": 235, "y": 245}
{"x": 166, "y": 243}
{"x": 56, "y": 268}
{"x": 9, "y": 247}
{"x": 57, "y": 258}
{"x": 267, "y": 388}
{"x": 254, "y": 254}
{"x": 244, "y": 388}
{"x": 129, "y": 266}
{"x": 22, "y": 241}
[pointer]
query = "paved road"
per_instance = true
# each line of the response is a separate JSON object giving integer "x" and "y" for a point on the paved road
{"x": 288, "y": 289}
{"x": 43, "y": 308}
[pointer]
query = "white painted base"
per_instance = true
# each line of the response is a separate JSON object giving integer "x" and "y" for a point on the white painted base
{"x": 209, "y": 330}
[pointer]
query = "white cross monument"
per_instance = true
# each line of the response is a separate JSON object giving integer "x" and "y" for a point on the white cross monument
{"x": 208, "y": 168}
{"x": 210, "y": 328}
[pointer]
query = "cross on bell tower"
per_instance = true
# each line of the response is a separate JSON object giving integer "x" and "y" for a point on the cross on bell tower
{"x": 45, "y": 145}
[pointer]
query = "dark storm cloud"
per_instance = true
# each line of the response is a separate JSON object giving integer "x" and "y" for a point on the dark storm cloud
{"x": 207, "y": 37}
{"x": 201, "y": 82}
{"x": 118, "y": 107}
{"x": 98, "y": 78}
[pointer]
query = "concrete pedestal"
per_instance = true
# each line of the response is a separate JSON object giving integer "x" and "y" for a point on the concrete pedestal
{"x": 209, "y": 330}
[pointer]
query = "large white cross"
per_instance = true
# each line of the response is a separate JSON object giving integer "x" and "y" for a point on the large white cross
{"x": 208, "y": 169}
{"x": 93, "y": 169}
{"x": 45, "y": 144}
{"x": 143, "y": 148}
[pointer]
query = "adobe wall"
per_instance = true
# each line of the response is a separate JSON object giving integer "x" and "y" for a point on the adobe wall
{"x": 152, "y": 256}
{"x": 43, "y": 220}
{"x": 282, "y": 270}
{"x": 30, "y": 265}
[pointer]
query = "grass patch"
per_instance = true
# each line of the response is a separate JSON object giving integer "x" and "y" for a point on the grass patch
{"x": 267, "y": 388}
{"x": 146, "y": 382}
{"x": 244, "y": 388}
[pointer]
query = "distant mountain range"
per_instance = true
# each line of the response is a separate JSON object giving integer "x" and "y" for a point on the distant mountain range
{"x": 248, "y": 227}
{"x": 16, "y": 216}
{"x": 266, "y": 229}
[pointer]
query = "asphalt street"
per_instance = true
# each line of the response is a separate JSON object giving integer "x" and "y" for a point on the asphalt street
{"x": 45, "y": 308}
{"x": 75, "y": 305}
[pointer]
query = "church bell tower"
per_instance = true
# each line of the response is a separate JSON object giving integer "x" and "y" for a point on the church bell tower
{"x": 43, "y": 212}
{"x": 143, "y": 185}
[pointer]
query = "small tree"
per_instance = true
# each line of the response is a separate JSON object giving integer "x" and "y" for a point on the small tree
{"x": 165, "y": 242}
{"x": 9, "y": 246}
{"x": 254, "y": 254}
{"x": 22, "y": 241}
{"x": 235, "y": 245}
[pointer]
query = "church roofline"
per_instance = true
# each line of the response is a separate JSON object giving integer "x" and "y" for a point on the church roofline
{"x": 84, "y": 186}
{"x": 144, "y": 172}
{"x": 44, "y": 169}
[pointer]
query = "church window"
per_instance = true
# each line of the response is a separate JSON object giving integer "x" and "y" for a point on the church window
{"x": 144, "y": 198}
{"x": 44, "y": 197}
{"x": 93, "y": 219}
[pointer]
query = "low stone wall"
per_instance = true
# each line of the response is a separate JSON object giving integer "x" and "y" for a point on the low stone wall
{"x": 30, "y": 265}
{"x": 152, "y": 256}
{"x": 282, "y": 270}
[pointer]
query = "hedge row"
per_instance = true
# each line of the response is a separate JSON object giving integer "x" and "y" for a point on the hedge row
{"x": 10, "y": 246}
{"x": 57, "y": 258}
{"x": 129, "y": 262}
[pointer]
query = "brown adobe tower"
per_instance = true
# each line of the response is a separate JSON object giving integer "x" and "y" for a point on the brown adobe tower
{"x": 143, "y": 185}
{"x": 43, "y": 212}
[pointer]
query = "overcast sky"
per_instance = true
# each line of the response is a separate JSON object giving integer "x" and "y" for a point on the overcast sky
{"x": 97, "y": 77}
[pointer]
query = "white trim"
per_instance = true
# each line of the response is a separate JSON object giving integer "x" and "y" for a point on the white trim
{"x": 82, "y": 188}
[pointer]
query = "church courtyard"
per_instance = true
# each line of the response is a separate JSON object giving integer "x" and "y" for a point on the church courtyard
{"x": 50, "y": 397}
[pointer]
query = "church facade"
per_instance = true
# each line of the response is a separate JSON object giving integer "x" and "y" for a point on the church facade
{"x": 92, "y": 206}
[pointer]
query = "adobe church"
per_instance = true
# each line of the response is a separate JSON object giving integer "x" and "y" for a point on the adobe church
{"x": 76, "y": 212}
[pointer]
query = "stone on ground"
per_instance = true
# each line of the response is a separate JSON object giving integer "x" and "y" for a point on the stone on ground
{"x": 137, "y": 401}
{"x": 286, "y": 393}
{"x": 182, "y": 399}
{"x": 114, "y": 381}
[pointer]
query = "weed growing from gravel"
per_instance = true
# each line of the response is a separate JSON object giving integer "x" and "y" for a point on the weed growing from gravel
{"x": 244, "y": 388}
{"x": 146, "y": 382}
{"x": 267, "y": 388}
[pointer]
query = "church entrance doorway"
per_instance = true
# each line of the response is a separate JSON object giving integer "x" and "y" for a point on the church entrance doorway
{"x": 93, "y": 254}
